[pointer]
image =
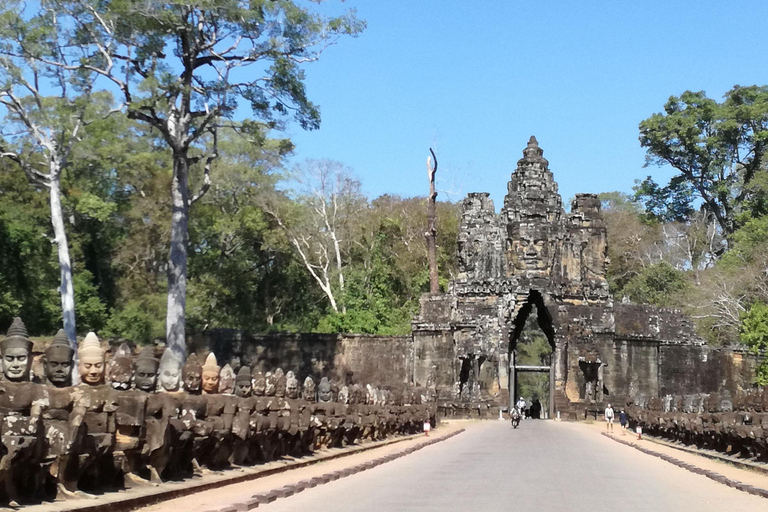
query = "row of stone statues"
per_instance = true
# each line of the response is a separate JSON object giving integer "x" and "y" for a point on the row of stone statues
{"x": 736, "y": 425}
{"x": 136, "y": 421}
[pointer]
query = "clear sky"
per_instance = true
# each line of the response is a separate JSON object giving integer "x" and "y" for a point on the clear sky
{"x": 476, "y": 78}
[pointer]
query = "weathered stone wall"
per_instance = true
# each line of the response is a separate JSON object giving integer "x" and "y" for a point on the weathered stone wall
{"x": 702, "y": 369}
{"x": 349, "y": 358}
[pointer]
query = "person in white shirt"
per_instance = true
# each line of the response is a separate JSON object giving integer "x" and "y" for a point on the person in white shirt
{"x": 609, "y": 418}
{"x": 521, "y": 407}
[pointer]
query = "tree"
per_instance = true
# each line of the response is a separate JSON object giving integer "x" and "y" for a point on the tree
{"x": 328, "y": 201}
{"x": 718, "y": 150}
{"x": 754, "y": 334}
{"x": 431, "y": 233}
{"x": 47, "y": 100}
{"x": 182, "y": 67}
{"x": 659, "y": 284}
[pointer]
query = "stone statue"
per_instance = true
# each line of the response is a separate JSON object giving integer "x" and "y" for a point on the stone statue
{"x": 16, "y": 350}
{"x": 192, "y": 375}
{"x": 308, "y": 392}
{"x": 169, "y": 374}
{"x": 291, "y": 386}
{"x": 90, "y": 363}
{"x": 324, "y": 391}
{"x": 343, "y": 395}
{"x": 120, "y": 369}
{"x": 145, "y": 370}
{"x": 280, "y": 383}
{"x": 58, "y": 361}
{"x": 243, "y": 385}
{"x": 211, "y": 371}
{"x": 226, "y": 380}
{"x": 269, "y": 384}
{"x": 259, "y": 383}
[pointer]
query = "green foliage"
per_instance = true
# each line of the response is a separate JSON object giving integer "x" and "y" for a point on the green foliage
{"x": 91, "y": 310}
{"x": 659, "y": 284}
{"x": 717, "y": 149}
{"x": 141, "y": 320}
{"x": 754, "y": 334}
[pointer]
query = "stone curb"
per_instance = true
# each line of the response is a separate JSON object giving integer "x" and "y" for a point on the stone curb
{"x": 290, "y": 490}
{"x": 153, "y": 494}
{"x": 717, "y": 477}
{"x": 762, "y": 468}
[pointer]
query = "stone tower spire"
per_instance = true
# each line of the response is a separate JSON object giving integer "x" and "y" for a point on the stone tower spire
{"x": 532, "y": 212}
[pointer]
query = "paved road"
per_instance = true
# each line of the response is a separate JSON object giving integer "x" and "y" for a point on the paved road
{"x": 541, "y": 466}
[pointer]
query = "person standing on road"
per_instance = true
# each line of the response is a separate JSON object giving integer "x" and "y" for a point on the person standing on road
{"x": 623, "y": 421}
{"x": 609, "y": 418}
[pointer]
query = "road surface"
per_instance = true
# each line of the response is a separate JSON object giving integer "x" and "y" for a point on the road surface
{"x": 541, "y": 466}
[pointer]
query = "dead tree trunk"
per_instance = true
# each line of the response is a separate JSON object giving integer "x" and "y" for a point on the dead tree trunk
{"x": 431, "y": 234}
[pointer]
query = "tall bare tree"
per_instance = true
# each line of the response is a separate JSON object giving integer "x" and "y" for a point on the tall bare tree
{"x": 47, "y": 101}
{"x": 329, "y": 199}
{"x": 431, "y": 234}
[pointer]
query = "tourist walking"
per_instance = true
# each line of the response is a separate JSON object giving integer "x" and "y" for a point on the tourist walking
{"x": 623, "y": 422}
{"x": 609, "y": 418}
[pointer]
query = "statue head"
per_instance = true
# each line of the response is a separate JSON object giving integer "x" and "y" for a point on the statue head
{"x": 145, "y": 370}
{"x": 280, "y": 383}
{"x": 269, "y": 384}
{"x": 120, "y": 368}
{"x": 343, "y": 397}
{"x": 211, "y": 370}
{"x": 17, "y": 352}
{"x": 259, "y": 383}
{"x": 324, "y": 391}
{"x": 90, "y": 360}
{"x": 291, "y": 386}
{"x": 169, "y": 374}
{"x": 192, "y": 375}
{"x": 243, "y": 385}
{"x": 58, "y": 361}
{"x": 226, "y": 380}
{"x": 308, "y": 392}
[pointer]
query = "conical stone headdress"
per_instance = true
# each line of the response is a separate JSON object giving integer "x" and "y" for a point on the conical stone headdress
{"x": 90, "y": 347}
{"x": 60, "y": 345}
{"x": 211, "y": 364}
{"x": 147, "y": 357}
{"x": 244, "y": 375}
{"x": 16, "y": 337}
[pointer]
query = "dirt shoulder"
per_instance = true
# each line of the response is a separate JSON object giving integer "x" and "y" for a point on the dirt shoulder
{"x": 730, "y": 471}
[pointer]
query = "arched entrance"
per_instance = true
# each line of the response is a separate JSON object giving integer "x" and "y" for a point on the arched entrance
{"x": 525, "y": 360}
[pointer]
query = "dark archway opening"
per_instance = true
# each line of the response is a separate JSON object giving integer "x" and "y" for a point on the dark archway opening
{"x": 531, "y": 355}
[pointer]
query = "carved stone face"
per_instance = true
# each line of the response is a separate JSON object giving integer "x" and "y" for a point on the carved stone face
{"x": 58, "y": 367}
{"x": 210, "y": 382}
{"x": 170, "y": 377}
{"x": 259, "y": 385}
{"x": 280, "y": 387}
{"x": 324, "y": 392}
{"x": 243, "y": 388}
{"x": 120, "y": 376}
{"x": 16, "y": 364}
{"x": 292, "y": 388}
{"x": 269, "y": 384}
{"x": 530, "y": 252}
{"x": 193, "y": 378}
{"x": 91, "y": 368}
{"x": 145, "y": 376}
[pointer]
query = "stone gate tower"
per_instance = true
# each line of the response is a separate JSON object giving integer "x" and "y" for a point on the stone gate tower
{"x": 534, "y": 253}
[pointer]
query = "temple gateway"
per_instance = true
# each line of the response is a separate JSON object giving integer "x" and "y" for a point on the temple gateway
{"x": 534, "y": 253}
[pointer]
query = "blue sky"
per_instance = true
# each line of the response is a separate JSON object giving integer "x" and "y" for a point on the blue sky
{"x": 475, "y": 79}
